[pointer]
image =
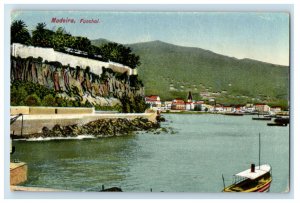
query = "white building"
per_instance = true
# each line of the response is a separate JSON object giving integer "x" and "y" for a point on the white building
{"x": 189, "y": 106}
{"x": 153, "y": 101}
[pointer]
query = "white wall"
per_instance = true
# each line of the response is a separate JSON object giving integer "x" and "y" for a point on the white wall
{"x": 49, "y": 54}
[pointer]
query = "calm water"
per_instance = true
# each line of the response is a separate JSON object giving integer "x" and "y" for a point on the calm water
{"x": 192, "y": 160}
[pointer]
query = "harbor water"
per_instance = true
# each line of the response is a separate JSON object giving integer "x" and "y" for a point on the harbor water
{"x": 192, "y": 159}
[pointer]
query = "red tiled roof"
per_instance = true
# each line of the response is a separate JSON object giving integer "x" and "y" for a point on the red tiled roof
{"x": 260, "y": 104}
{"x": 152, "y": 98}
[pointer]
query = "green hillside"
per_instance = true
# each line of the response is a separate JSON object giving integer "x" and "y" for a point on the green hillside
{"x": 171, "y": 71}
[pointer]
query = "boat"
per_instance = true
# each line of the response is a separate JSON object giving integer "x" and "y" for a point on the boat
{"x": 276, "y": 124}
{"x": 112, "y": 189}
{"x": 272, "y": 116}
{"x": 280, "y": 122}
{"x": 262, "y": 118}
{"x": 256, "y": 179}
{"x": 233, "y": 114}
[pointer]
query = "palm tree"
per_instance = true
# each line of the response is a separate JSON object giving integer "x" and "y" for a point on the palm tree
{"x": 41, "y": 36}
{"x": 19, "y": 32}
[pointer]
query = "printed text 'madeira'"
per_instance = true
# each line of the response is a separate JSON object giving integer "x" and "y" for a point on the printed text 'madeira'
{"x": 62, "y": 20}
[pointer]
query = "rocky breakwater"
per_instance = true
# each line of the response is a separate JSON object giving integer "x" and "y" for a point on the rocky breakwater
{"x": 100, "y": 128}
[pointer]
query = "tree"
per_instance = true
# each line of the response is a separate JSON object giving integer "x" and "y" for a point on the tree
{"x": 118, "y": 53}
{"x": 82, "y": 43}
{"x": 60, "y": 39}
{"x": 19, "y": 33}
{"x": 41, "y": 36}
{"x": 140, "y": 104}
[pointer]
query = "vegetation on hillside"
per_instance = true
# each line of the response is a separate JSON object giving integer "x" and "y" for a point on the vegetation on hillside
{"x": 32, "y": 94}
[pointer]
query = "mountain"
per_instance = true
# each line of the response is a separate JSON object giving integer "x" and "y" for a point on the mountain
{"x": 172, "y": 71}
{"x": 99, "y": 42}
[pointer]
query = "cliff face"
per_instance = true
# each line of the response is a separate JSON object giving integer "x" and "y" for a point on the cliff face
{"x": 76, "y": 83}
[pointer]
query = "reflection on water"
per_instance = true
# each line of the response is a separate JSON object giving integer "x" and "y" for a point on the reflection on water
{"x": 192, "y": 160}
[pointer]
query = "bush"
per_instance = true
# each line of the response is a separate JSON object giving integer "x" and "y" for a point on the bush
{"x": 32, "y": 100}
{"x": 17, "y": 96}
{"x": 61, "y": 102}
{"x": 49, "y": 100}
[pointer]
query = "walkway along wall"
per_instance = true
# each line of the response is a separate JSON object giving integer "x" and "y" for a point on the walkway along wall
{"x": 34, "y": 123}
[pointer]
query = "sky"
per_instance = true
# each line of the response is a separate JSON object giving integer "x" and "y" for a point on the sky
{"x": 262, "y": 36}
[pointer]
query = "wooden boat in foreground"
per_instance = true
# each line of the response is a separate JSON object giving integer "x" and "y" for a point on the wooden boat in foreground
{"x": 255, "y": 179}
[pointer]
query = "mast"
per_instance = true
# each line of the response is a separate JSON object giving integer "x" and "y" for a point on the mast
{"x": 259, "y": 151}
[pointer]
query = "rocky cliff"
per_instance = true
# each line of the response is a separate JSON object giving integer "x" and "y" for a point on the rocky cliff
{"x": 76, "y": 83}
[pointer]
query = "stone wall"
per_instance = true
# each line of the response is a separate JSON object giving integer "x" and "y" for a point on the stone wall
{"x": 23, "y": 51}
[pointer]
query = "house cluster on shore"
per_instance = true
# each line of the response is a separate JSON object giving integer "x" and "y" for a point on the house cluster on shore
{"x": 179, "y": 104}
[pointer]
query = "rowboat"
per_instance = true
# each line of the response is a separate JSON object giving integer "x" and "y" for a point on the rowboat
{"x": 255, "y": 179}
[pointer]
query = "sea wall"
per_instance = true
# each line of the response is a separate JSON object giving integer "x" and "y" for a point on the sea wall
{"x": 49, "y": 54}
{"x": 34, "y": 124}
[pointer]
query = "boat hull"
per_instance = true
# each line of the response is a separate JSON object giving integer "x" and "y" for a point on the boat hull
{"x": 266, "y": 188}
{"x": 259, "y": 185}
